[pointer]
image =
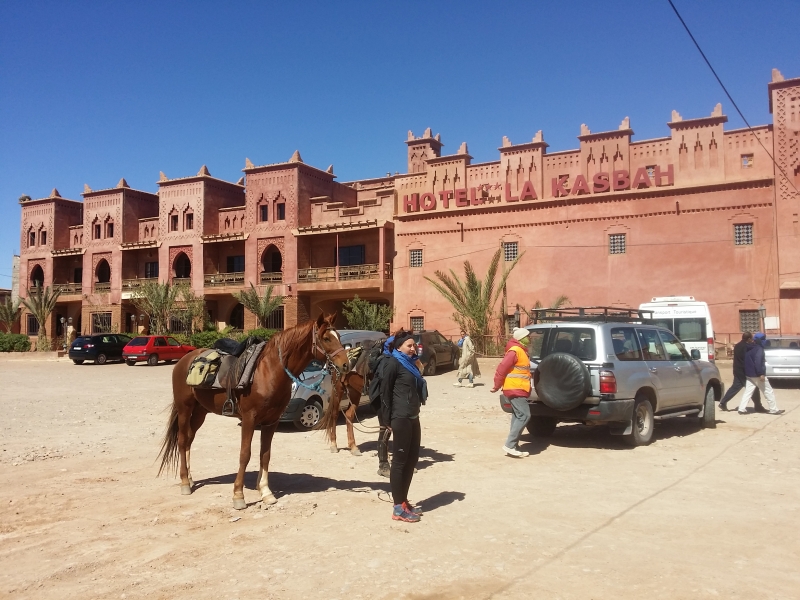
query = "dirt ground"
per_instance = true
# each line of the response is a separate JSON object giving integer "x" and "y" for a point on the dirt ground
{"x": 698, "y": 514}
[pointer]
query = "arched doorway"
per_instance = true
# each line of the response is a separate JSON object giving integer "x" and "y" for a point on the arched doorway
{"x": 37, "y": 277}
{"x": 271, "y": 260}
{"x": 102, "y": 272}
{"x": 182, "y": 266}
{"x": 237, "y": 317}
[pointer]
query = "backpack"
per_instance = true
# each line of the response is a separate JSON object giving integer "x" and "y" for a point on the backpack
{"x": 375, "y": 355}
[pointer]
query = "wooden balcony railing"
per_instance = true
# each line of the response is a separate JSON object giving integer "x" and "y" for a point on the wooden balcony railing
{"x": 223, "y": 279}
{"x": 270, "y": 278}
{"x": 348, "y": 273}
{"x": 132, "y": 284}
{"x": 68, "y": 288}
{"x": 102, "y": 288}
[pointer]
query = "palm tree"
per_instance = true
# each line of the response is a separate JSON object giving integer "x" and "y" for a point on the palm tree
{"x": 472, "y": 299}
{"x": 262, "y": 306}
{"x": 157, "y": 301}
{"x": 9, "y": 313}
{"x": 41, "y": 304}
{"x": 559, "y": 302}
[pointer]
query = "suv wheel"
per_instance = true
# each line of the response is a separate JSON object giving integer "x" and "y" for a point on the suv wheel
{"x": 311, "y": 415}
{"x": 642, "y": 425}
{"x": 430, "y": 368}
{"x": 709, "y": 418}
{"x": 542, "y": 426}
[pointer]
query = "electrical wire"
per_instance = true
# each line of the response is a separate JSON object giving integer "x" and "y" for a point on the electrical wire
{"x": 724, "y": 89}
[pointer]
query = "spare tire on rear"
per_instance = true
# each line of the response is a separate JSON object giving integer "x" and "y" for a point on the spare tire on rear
{"x": 563, "y": 381}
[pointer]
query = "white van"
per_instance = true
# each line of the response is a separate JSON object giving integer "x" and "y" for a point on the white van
{"x": 688, "y": 319}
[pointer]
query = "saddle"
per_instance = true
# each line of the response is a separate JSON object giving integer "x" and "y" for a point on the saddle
{"x": 229, "y": 366}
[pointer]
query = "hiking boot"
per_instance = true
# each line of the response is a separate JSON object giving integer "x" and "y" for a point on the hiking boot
{"x": 514, "y": 452}
{"x": 408, "y": 507}
{"x": 401, "y": 514}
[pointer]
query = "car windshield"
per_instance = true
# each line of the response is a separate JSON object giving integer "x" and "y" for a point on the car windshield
{"x": 685, "y": 329}
{"x": 782, "y": 344}
{"x": 138, "y": 341}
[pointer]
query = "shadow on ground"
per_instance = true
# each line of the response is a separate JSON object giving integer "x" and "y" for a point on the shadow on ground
{"x": 297, "y": 483}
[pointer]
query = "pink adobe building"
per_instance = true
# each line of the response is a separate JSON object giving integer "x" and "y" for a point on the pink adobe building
{"x": 701, "y": 212}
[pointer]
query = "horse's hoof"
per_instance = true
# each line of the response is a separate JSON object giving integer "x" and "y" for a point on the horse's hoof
{"x": 269, "y": 499}
{"x": 334, "y": 450}
{"x": 186, "y": 490}
{"x": 355, "y": 451}
{"x": 384, "y": 470}
{"x": 239, "y": 503}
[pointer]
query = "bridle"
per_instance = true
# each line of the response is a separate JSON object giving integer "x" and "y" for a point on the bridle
{"x": 315, "y": 347}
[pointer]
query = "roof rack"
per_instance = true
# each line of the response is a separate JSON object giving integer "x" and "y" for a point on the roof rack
{"x": 603, "y": 314}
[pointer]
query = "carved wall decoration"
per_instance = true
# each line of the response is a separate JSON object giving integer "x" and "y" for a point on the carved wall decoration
{"x": 264, "y": 243}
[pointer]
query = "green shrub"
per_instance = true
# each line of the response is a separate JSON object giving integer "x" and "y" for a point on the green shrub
{"x": 205, "y": 339}
{"x": 263, "y": 333}
{"x": 14, "y": 342}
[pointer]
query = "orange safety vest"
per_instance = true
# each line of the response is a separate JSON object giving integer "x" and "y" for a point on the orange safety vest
{"x": 520, "y": 376}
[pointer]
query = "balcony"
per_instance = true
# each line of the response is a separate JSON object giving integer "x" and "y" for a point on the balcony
{"x": 133, "y": 284}
{"x": 348, "y": 273}
{"x": 102, "y": 288}
{"x": 68, "y": 289}
{"x": 182, "y": 281}
{"x": 271, "y": 278}
{"x": 223, "y": 280}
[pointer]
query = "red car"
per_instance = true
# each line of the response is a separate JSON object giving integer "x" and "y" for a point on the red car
{"x": 153, "y": 348}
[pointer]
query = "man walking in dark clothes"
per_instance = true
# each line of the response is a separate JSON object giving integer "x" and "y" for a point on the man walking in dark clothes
{"x": 739, "y": 377}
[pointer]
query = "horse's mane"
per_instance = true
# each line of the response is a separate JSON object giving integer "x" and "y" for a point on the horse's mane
{"x": 290, "y": 340}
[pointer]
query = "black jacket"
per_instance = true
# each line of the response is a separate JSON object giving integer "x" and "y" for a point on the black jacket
{"x": 400, "y": 392}
{"x": 739, "y": 351}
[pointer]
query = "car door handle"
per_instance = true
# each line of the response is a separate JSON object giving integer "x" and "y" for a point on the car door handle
{"x": 653, "y": 370}
{"x": 678, "y": 369}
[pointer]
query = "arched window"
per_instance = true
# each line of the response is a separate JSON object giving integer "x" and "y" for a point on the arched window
{"x": 237, "y": 317}
{"x": 37, "y": 277}
{"x": 102, "y": 273}
{"x": 182, "y": 266}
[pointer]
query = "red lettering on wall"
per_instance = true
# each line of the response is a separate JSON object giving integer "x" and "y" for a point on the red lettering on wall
{"x": 558, "y": 186}
{"x": 461, "y": 197}
{"x": 473, "y": 197}
{"x": 580, "y": 186}
{"x": 600, "y": 182}
{"x": 428, "y": 201}
{"x": 412, "y": 204}
{"x": 668, "y": 174}
{"x": 641, "y": 179}
{"x": 509, "y": 197}
{"x": 444, "y": 196}
{"x": 622, "y": 180}
{"x": 527, "y": 193}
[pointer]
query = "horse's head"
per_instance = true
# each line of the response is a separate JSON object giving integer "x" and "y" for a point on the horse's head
{"x": 328, "y": 343}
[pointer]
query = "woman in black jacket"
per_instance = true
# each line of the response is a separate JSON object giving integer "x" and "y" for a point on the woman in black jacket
{"x": 403, "y": 390}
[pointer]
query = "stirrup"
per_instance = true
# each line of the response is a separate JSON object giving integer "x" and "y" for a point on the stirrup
{"x": 228, "y": 408}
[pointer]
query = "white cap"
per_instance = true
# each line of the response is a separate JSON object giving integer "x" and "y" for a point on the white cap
{"x": 520, "y": 334}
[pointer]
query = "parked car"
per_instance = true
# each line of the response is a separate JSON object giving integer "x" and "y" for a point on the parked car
{"x": 100, "y": 348}
{"x": 783, "y": 357}
{"x": 308, "y": 405}
{"x": 435, "y": 350}
{"x": 153, "y": 348}
{"x": 607, "y": 366}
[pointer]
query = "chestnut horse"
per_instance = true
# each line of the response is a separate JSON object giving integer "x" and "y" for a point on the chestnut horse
{"x": 352, "y": 384}
{"x": 262, "y": 403}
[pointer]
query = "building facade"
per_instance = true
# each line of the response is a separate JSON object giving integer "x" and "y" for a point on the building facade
{"x": 703, "y": 211}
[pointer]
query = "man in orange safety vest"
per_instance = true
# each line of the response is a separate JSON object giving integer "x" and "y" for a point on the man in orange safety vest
{"x": 513, "y": 375}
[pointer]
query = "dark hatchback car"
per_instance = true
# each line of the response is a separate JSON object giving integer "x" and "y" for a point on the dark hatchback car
{"x": 435, "y": 350}
{"x": 100, "y": 348}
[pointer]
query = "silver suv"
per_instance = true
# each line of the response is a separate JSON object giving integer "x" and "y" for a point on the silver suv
{"x": 604, "y": 365}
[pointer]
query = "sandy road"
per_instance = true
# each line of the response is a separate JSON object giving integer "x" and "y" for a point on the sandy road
{"x": 698, "y": 514}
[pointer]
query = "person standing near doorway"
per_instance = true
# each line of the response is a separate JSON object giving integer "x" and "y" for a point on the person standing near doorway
{"x": 467, "y": 363}
{"x": 513, "y": 375}
{"x": 739, "y": 377}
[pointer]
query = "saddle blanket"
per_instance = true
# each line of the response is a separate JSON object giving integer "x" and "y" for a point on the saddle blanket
{"x": 215, "y": 369}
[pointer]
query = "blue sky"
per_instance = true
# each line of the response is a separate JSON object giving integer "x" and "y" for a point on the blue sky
{"x": 94, "y": 91}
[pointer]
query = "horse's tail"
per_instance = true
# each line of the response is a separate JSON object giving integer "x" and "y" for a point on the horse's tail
{"x": 169, "y": 447}
{"x": 331, "y": 417}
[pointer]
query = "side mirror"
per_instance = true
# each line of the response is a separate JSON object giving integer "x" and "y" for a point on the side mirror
{"x": 695, "y": 354}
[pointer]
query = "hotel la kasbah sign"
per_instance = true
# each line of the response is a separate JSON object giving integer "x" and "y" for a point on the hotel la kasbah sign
{"x": 602, "y": 182}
